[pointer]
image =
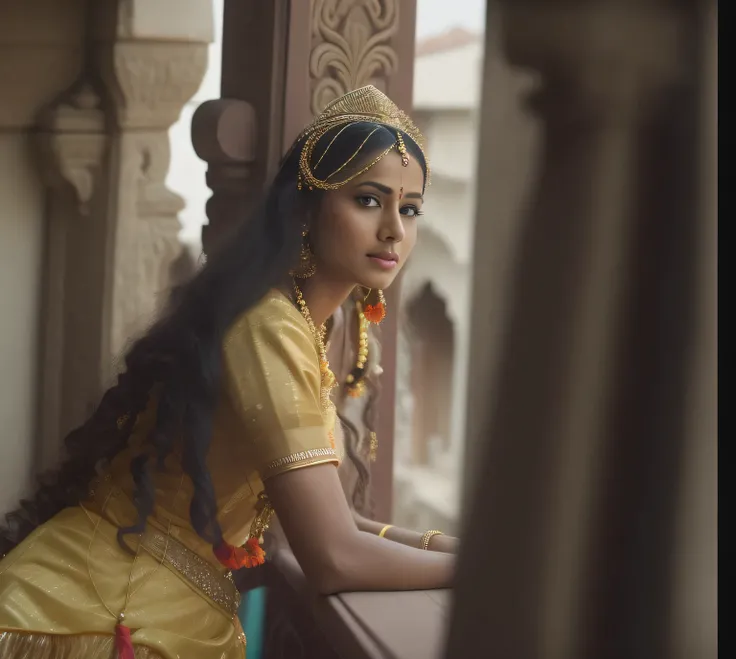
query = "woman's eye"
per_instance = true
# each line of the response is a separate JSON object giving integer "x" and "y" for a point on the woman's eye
{"x": 368, "y": 201}
{"x": 411, "y": 211}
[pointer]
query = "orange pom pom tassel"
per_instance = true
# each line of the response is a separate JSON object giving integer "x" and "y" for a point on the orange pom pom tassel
{"x": 375, "y": 313}
{"x": 251, "y": 554}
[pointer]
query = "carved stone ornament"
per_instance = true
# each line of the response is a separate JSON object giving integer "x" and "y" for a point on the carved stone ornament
{"x": 351, "y": 47}
{"x": 151, "y": 81}
{"x": 225, "y": 135}
{"x": 72, "y": 142}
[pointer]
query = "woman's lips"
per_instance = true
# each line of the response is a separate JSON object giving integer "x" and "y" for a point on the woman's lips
{"x": 383, "y": 262}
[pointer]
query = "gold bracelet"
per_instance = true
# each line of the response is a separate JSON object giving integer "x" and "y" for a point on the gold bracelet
{"x": 382, "y": 532}
{"x": 428, "y": 535}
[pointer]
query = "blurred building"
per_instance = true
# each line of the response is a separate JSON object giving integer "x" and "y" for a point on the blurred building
{"x": 434, "y": 319}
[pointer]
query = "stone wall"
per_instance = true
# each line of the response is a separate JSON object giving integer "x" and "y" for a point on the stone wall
{"x": 88, "y": 98}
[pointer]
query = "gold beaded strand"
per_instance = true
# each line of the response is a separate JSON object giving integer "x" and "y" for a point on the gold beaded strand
{"x": 328, "y": 381}
{"x": 357, "y": 389}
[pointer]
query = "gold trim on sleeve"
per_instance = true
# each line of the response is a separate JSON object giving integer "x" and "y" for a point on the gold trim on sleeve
{"x": 300, "y": 459}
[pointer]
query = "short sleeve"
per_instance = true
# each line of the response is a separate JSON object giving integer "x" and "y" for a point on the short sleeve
{"x": 273, "y": 382}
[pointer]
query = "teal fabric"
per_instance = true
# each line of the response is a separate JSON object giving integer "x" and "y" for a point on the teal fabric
{"x": 252, "y": 614}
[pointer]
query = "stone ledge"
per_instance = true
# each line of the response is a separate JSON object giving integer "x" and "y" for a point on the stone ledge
{"x": 374, "y": 625}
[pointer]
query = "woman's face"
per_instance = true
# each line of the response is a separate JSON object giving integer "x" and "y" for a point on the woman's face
{"x": 366, "y": 229}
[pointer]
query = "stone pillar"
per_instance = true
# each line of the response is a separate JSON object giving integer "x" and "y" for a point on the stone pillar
{"x": 283, "y": 61}
{"x": 72, "y": 143}
{"x": 579, "y": 389}
{"x": 151, "y": 64}
{"x": 112, "y": 222}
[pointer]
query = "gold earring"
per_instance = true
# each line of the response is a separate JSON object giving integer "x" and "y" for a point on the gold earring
{"x": 307, "y": 266}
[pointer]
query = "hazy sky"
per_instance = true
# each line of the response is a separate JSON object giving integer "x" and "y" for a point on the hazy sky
{"x": 436, "y": 16}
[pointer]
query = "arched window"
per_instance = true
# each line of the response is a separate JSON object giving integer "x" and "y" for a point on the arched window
{"x": 432, "y": 346}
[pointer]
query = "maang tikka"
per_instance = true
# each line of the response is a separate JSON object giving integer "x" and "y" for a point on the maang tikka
{"x": 307, "y": 266}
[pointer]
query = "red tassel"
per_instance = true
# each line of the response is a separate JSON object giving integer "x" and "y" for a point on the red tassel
{"x": 123, "y": 642}
{"x": 249, "y": 555}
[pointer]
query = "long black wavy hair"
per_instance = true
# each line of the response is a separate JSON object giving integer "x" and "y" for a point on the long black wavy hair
{"x": 180, "y": 355}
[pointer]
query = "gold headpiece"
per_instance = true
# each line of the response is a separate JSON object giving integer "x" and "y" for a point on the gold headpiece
{"x": 364, "y": 104}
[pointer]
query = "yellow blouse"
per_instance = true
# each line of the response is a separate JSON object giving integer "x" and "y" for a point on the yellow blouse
{"x": 62, "y": 589}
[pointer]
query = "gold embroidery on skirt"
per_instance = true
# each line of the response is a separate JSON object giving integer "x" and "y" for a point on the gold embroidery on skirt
{"x": 24, "y": 645}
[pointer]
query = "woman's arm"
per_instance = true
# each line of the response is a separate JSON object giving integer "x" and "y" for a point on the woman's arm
{"x": 334, "y": 555}
{"x": 441, "y": 543}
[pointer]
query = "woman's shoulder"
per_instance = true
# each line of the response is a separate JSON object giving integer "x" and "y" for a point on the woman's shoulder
{"x": 273, "y": 316}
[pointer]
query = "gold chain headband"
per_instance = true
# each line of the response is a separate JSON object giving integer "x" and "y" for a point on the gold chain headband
{"x": 366, "y": 104}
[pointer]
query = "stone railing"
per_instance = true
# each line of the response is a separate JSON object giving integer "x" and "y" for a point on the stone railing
{"x": 299, "y": 624}
{"x": 367, "y": 625}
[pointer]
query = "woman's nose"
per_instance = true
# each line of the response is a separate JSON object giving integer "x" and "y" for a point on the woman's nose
{"x": 392, "y": 226}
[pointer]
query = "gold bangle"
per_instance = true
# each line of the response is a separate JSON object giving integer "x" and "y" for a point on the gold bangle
{"x": 382, "y": 532}
{"x": 428, "y": 535}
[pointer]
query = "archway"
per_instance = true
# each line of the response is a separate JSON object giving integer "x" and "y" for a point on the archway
{"x": 432, "y": 348}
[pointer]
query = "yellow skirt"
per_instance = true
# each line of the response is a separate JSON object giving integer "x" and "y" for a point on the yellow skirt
{"x": 60, "y": 588}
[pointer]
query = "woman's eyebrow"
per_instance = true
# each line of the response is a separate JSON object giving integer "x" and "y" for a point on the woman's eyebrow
{"x": 388, "y": 191}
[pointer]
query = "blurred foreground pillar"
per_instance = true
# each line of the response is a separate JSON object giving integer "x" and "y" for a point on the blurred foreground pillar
{"x": 591, "y": 526}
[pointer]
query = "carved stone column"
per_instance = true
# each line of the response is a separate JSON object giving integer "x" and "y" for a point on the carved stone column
{"x": 113, "y": 224}
{"x": 577, "y": 410}
{"x": 352, "y": 43}
{"x": 282, "y": 63}
{"x": 355, "y": 43}
{"x": 73, "y": 144}
{"x": 149, "y": 74}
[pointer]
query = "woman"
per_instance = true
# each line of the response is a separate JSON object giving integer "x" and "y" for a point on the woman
{"x": 222, "y": 416}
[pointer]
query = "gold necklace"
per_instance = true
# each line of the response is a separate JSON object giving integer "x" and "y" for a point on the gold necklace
{"x": 327, "y": 379}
